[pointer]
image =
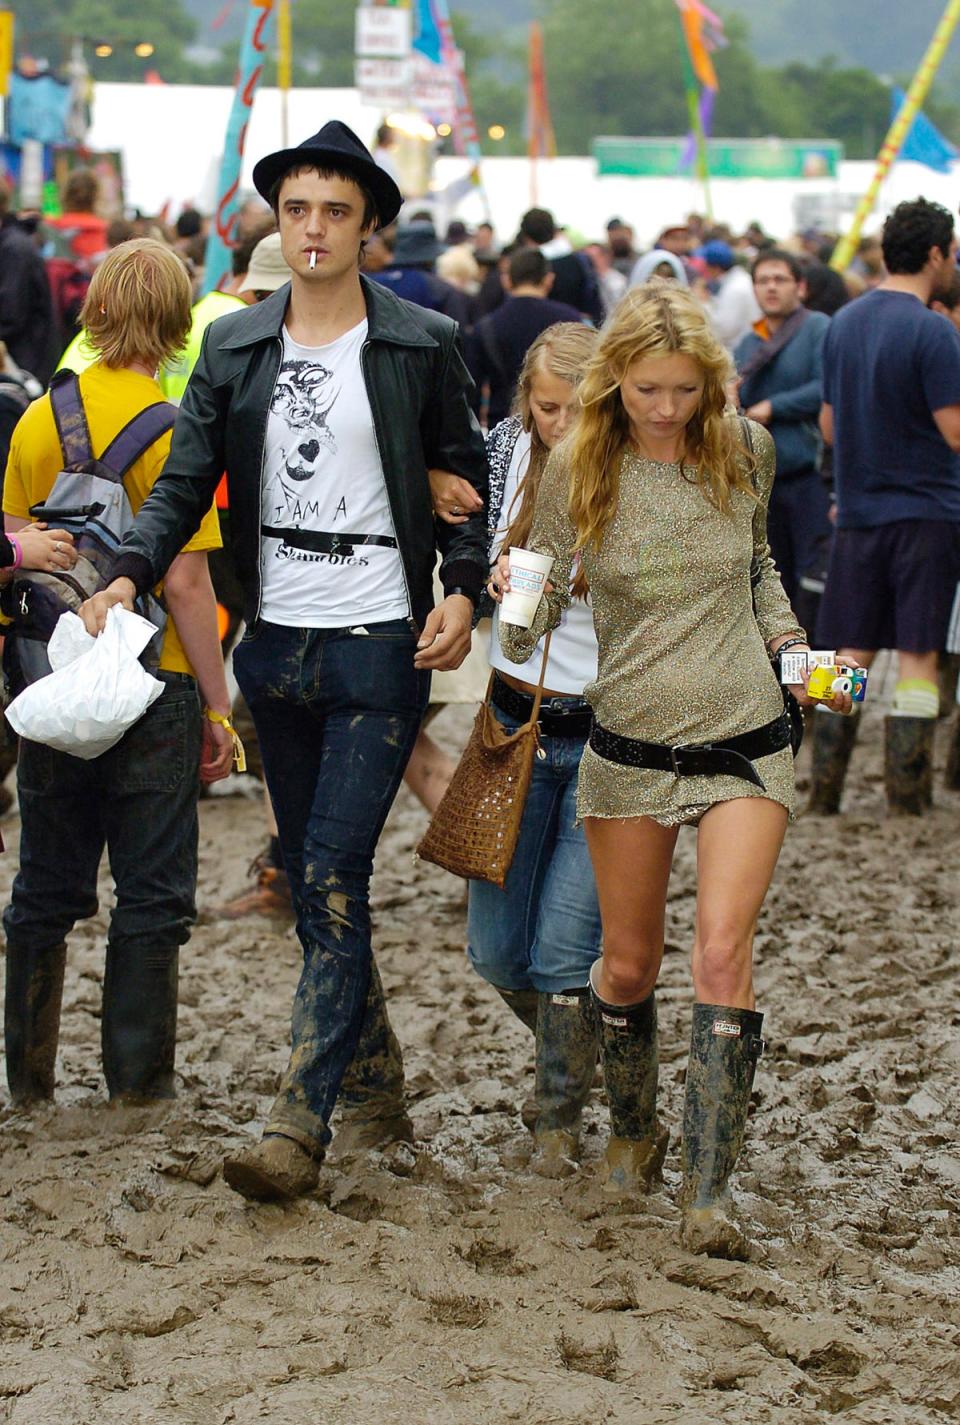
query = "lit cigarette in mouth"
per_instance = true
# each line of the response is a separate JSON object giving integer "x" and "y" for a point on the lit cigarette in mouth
{"x": 313, "y": 259}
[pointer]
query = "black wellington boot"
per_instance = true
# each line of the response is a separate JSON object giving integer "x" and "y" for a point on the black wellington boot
{"x": 908, "y": 764}
{"x": 631, "y": 1068}
{"x": 567, "y": 1045}
{"x": 138, "y": 1031}
{"x": 371, "y": 1107}
{"x": 725, "y": 1045}
{"x": 833, "y": 739}
{"x": 525, "y": 1004}
{"x": 951, "y": 775}
{"x": 34, "y": 992}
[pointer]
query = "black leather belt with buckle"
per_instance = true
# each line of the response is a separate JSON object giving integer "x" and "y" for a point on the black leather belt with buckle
{"x": 559, "y": 717}
{"x": 734, "y": 757}
{"x": 317, "y": 541}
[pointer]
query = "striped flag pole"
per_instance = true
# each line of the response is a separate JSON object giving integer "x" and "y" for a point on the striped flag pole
{"x": 223, "y": 229}
{"x": 466, "y": 139}
{"x": 892, "y": 144}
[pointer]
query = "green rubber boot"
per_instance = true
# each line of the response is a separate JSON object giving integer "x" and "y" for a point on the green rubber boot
{"x": 371, "y": 1106}
{"x": 908, "y": 764}
{"x": 725, "y": 1045}
{"x": 631, "y": 1069}
{"x": 833, "y": 740}
{"x": 34, "y": 992}
{"x": 567, "y": 1045}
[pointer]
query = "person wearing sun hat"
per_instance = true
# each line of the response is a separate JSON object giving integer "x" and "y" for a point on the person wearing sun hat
{"x": 327, "y": 403}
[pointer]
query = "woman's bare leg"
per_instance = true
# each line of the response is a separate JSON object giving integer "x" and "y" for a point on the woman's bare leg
{"x": 631, "y": 863}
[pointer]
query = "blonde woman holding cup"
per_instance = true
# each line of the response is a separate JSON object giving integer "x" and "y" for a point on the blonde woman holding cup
{"x": 535, "y": 939}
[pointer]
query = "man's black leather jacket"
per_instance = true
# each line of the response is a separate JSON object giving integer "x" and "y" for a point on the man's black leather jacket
{"x": 419, "y": 391}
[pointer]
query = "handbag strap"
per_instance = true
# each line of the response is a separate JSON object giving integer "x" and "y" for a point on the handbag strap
{"x": 531, "y": 725}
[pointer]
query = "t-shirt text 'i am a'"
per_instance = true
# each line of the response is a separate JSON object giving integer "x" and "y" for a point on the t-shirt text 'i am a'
{"x": 329, "y": 556}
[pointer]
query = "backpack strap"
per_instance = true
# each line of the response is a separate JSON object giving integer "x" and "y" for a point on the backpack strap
{"x": 137, "y": 437}
{"x": 71, "y": 419}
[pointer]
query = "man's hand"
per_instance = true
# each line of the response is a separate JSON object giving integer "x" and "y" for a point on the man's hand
{"x": 445, "y": 641}
{"x": 216, "y": 752}
{"x": 94, "y": 611}
{"x": 762, "y": 412}
{"x": 454, "y": 498}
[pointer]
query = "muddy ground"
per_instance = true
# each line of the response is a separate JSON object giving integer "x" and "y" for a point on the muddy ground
{"x": 446, "y": 1285}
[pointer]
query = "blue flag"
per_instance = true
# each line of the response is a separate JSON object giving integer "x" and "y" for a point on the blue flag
{"x": 924, "y": 143}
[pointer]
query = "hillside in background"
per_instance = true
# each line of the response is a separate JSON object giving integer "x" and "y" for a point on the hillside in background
{"x": 885, "y": 36}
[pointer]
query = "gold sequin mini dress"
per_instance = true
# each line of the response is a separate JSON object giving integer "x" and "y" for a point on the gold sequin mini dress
{"x": 682, "y": 656}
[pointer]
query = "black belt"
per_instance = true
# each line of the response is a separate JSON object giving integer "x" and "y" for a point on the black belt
{"x": 557, "y": 717}
{"x": 733, "y": 757}
{"x": 319, "y": 542}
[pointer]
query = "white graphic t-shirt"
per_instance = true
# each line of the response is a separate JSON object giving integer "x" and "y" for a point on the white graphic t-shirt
{"x": 322, "y": 482}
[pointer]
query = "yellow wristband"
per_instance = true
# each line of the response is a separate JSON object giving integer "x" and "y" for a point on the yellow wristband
{"x": 239, "y": 756}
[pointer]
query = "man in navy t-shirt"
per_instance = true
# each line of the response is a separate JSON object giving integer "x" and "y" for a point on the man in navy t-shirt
{"x": 891, "y": 391}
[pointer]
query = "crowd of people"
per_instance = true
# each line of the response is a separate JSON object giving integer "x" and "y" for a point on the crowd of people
{"x": 729, "y": 451}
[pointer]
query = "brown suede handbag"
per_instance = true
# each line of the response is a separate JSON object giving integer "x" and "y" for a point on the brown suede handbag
{"x": 475, "y": 828}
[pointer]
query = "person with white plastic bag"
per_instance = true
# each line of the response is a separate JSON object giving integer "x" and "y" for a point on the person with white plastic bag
{"x": 139, "y": 798}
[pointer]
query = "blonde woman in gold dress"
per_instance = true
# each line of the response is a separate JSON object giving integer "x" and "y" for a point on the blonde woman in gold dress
{"x": 664, "y": 496}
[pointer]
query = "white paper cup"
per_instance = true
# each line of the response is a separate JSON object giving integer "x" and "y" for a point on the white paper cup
{"x": 528, "y": 574}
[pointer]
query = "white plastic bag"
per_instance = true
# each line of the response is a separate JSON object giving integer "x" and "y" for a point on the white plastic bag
{"x": 97, "y": 690}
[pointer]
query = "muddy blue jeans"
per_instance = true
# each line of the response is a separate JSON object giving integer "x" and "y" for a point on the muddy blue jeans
{"x": 337, "y": 713}
{"x": 542, "y": 930}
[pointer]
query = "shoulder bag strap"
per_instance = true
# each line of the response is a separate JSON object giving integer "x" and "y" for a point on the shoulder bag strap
{"x": 137, "y": 436}
{"x": 71, "y": 419}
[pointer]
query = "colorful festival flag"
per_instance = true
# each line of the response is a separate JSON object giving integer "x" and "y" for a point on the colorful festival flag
{"x": 541, "y": 140}
{"x": 223, "y": 229}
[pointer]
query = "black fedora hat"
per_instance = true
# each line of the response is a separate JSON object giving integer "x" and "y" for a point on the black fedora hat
{"x": 335, "y": 146}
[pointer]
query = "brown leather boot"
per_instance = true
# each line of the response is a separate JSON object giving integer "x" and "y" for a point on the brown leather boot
{"x": 274, "y": 1169}
{"x": 270, "y": 896}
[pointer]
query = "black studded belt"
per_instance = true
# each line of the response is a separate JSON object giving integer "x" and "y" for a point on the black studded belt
{"x": 317, "y": 541}
{"x": 734, "y": 757}
{"x": 559, "y": 717}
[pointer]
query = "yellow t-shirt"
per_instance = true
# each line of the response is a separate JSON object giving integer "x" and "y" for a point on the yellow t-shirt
{"x": 111, "y": 399}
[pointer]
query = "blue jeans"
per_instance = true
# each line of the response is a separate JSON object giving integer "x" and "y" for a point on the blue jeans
{"x": 337, "y": 713}
{"x": 542, "y": 930}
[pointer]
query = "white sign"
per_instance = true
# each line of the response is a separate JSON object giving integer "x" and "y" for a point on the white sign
{"x": 434, "y": 90}
{"x": 383, "y": 31}
{"x": 385, "y": 83}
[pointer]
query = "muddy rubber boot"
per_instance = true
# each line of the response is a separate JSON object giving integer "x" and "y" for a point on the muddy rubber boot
{"x": 725, "y": 1045}
{"x": 275, "y": 1169}
{"x": 951, "y": 774}
{"x": 524, "y": 1003}
{"x": 567, "y": 1047}
{"x": 631, "y": 1068}
{"x": 138, "y": 1030}
{"x": 371, "y": 1109}
{"x": 833, "y": 739}
{"x": 34, "y": 992}
{"x": 908, "y": 764}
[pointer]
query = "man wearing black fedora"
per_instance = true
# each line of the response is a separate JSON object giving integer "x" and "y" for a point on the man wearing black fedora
{"x": 326, "y": 404}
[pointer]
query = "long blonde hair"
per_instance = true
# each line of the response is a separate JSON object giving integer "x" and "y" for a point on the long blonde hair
{"x": 563, "y": 350}
{"x": 137, "y": 306}
{"x": 658, "y": 319}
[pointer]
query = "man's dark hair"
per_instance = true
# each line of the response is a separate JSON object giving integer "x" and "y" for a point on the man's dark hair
{"x": 909, "y": 233}
{"x": 369, "y": 203}
{"x": 189, "y": 223}
{"x": 538, "y": 225}
{"x": 243, "y": 252}
{"x": 826, "y": 289}
{"x": 385, "y": 135}
{"x": 528, "y": 267}
{"x": 779, "y": 254}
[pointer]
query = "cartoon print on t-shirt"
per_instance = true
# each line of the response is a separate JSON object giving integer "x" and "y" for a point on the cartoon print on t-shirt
{"x": 303, "y": 399}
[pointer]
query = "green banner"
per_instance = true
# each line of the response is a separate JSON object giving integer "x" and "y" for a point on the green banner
{"x": 729, "y": 158}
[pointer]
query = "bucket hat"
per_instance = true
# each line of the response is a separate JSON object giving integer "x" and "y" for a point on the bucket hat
{"x": 333, "y": 146}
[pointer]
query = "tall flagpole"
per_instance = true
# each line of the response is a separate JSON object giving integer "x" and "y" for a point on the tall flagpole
{"x": 223, "y": 229}
{"x": 284, "y": 68}
{"x": 892, "y": 144}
